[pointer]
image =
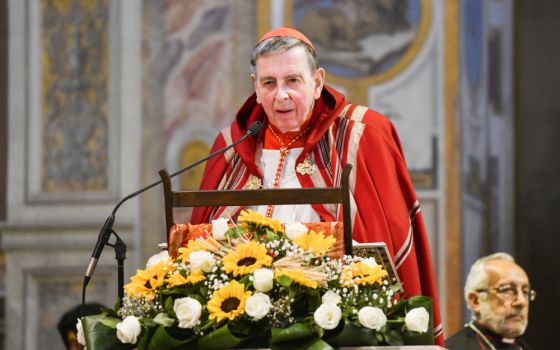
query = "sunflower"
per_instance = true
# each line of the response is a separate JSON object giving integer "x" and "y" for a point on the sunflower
{"x": 249, "y": 217}
{"x": 145, "y": 282}
{"x": 299, "y": 276}
{"x": 363, "y": 274}
{"x": 228, "y": 301}
{"x": 316, "y": 243}
{"x": 192, "y": 246}
{"x": 177, "y": 279}
{"x": 246, "y": 258}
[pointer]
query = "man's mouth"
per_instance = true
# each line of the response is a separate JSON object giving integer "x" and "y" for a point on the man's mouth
{"x": 516, "y": 317}
{"x": 283, "y": 111}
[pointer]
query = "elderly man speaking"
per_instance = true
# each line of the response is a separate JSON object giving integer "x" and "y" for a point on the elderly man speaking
{"x": 498, "y": 293}
{"x": 310, "y": 133}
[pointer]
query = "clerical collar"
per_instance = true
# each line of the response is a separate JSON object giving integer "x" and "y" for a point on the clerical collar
{"x": 489, "y": 335}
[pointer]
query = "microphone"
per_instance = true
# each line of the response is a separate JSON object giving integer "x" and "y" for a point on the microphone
{"x": 107, "y": 228}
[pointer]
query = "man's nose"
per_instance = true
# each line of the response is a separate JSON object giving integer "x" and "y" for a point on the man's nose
{"x": 521, "y": 298}
{"x": 282, "y": 93}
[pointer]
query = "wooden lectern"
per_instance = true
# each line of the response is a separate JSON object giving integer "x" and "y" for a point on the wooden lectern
{"x": 181, "y": 199}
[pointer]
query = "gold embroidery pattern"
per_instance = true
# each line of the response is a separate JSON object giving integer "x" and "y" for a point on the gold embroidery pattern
{"x": 306, "y": 167}
{"x": 253, "y": 183}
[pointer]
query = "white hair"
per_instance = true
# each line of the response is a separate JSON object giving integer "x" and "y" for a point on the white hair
{"x": 477, "y": 278}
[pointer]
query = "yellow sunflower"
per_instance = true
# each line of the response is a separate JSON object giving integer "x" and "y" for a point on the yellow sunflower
{"x": 363, "y": 274}
{"x": 246, "y": 258}
{"x": 250, "y": 217}
{"x": 298, "y": 276}
{"x": 228, "y": 301}
{"x": 177, "y": 279}
{"x": 192, "y": 246}
{"x": 145, "y": 282}
{"x": 316, "y": 243}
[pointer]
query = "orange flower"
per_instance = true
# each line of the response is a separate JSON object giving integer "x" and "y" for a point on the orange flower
{"x": 298, "y": 276}
{"x": 363, "y": 274}
{"x": 145, "y": 282}
{"x": 177, "y": 279}
{"x": 316, "y": 243}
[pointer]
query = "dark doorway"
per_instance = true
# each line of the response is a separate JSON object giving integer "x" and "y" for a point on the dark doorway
{"x": 538, "y": 162}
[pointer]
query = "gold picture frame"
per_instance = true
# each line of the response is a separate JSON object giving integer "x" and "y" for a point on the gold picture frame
{"x": 378, "y": 251}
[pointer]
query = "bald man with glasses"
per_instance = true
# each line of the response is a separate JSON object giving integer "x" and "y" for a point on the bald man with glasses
{"x": 498, "y": 293}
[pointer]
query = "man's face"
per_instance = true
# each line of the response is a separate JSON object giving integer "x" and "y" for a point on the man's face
{"x": 287, "y": 88}
{"x": 502, "y": 312}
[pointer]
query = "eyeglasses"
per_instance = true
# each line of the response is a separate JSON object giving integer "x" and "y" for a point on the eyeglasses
{"x": 509, "y": 292}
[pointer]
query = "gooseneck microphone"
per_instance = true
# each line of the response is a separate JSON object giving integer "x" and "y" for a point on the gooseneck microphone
{"x": 107, "y": 228}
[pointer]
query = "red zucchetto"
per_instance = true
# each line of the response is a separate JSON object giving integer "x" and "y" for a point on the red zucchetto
{"x": 286, "y": 31}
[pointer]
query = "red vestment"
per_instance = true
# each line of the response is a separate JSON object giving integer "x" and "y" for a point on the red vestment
{"x": 383, "y": 201}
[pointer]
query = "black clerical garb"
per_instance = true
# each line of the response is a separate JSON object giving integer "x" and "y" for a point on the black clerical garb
{"x": 476, "y": 337}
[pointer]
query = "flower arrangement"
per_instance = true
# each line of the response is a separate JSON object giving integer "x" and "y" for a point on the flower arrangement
{"x": 259, "y": 284}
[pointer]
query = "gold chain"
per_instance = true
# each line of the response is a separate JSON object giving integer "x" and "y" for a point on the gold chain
{"x": 284, "y": 150}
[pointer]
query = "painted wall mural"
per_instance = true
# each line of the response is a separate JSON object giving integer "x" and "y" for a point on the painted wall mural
{"x": 74, "y": 101}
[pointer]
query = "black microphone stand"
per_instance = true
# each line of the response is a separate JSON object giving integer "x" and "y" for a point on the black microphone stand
{"x": 119, "y": 246}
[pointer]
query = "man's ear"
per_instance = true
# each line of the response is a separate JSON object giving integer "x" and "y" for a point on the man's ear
{"x": 254, "y": 79}
{"x": 319, "y": 81}
{"x": 473, "y": 302}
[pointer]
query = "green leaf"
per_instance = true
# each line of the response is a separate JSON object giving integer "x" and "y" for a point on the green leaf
{"x": 284, "y": 280}
{"x": 144, "y": 339}
{"x": 306, "y": 344}
{"x": 100, "y": 333}
{"x": 246, "y": 281}
{"x": 164, "y": 320}
{"x": 219, "y": 339}
{"x": 162, "y": 339}
{"x": 294, "y": 332}
{"x": 271, "y": 236}
{"x": 168, "y": 306}
{"x": 314, "y": 300}
{"x": 351, "y": 335}
{"x": 393, "y": 337}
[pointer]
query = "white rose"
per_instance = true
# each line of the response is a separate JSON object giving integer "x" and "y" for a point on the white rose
{"x": 295, "y": 229}
{"x": 80, "y": 333}
{"x": 157, "y": 258}
{"x": 128, "y": 330}
{"x": 258, "y": 305}
{"x": 327, "y": 316}
{"x": 331, "y": 297}
{"x": 263, "y": 279}
{"x": 372, "y": 317}
{"x": 188, "y": 312}
{"x": 219, "y": 228}
{"x": 417, "y": 320}
{"x": 370, "y": 262}
{"x": 202, "y": 260}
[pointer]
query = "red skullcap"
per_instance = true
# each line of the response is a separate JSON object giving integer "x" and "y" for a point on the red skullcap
{"x": 286, "y": 31}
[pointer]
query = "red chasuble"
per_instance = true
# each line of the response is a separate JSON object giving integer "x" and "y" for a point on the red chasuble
{"x": 383, "y": 201}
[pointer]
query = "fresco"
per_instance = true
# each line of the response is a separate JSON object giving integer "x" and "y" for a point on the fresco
{"x": 359, "y": 38}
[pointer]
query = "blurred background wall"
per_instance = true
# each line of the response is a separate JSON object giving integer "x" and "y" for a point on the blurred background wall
{"x": 97, "y": 95}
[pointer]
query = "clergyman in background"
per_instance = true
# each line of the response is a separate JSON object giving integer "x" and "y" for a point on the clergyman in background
{"x": 498, "y": 293}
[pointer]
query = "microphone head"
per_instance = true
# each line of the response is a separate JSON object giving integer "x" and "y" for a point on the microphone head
{"x": 254, "y": 128}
